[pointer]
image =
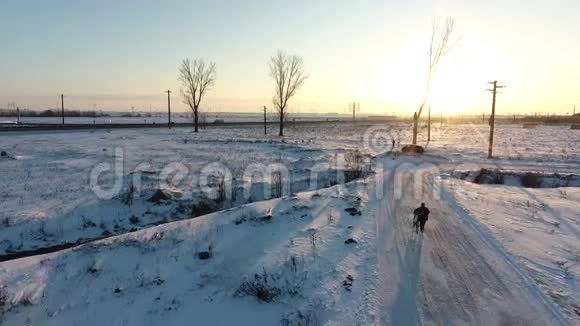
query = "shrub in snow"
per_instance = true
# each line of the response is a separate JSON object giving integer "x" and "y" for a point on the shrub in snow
{"x": 93, "y": 268}
{"x": 2, "y": 298}
{"x": 134, "y": 219}
{"x": 128, "y": 195}
{"x": 313, "y": 239}
{"x": 161, "y": 195}
{"x": 488, "y": 177}
{"x": 265, "y": 218}
{"x": 413, "y": 149}
{"x": 350, "y": 241}
{"x": 277, "y": 186}
{"x": 147, "y": 281}
{"x": 268, "y": 286}
{"x": 527, "y": 179}
{"x": 305, "y": 317}
{"x": 87, "y": 223}
{"x": 258, "y": 288}
{"x": 348, "y": 281}
{"x": 202, "y": 208}
{"x": 203, "y": 255}
{"x": 352, "y": 211}
{"x": 530, "y": 180}
{"x": 330, "y": 218}
{"x": 221, "y": 189}
{"x": 258, "y": 220}
{"x": 355, "y": 162}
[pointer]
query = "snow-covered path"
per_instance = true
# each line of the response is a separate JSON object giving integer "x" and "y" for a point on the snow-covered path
{"x": 453, "y": 274}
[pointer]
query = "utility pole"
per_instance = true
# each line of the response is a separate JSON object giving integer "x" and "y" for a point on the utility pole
{"x": 492, "y": 118}
{"x": 17, "y": 115}
{"x": 265, "y": 127}
{"x": 62, "y": 107}
{"x": 429, "y": 124}
{"x": 355, "y": 107}
{"x": 168, "y": 108}
{"x": 415, "y": 119}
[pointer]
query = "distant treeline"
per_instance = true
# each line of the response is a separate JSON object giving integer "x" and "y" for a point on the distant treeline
{"x": 555, "y": 119}
{"x": 51, "y": 113}
{"x": 435, "y": 118}
{"x": 504, "y": 119}
{"x": 67, "y": 113}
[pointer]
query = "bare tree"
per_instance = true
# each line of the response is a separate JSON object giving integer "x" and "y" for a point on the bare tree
{"x": 439, "y": 46}
{"x": 196, "y": 79}
{"x": 288, "y": 74}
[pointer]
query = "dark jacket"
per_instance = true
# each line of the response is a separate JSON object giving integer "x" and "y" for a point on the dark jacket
{"x": 422, "y": 213}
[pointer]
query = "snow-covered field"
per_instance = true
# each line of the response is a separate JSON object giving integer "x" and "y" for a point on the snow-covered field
{"x": 491, "y": 254}
{"x": 539, "y": 227}
{"x": 48, "y": 197}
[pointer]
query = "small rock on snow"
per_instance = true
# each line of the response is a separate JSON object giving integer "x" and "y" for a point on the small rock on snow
{"x": 353, "y": 211}
{"x": 203, "y": 255}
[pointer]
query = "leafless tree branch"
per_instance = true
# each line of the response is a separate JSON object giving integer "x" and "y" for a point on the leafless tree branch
{"x": 289, "y": 75}
{"x": 439, "y": 46}
{"x": 196, "y": 79}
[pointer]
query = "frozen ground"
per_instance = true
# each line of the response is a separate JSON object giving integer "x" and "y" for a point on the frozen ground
{"x": 539, "y": 227}
{"x": 492, "y": 254}
{"x": 48, "y": 200}
{"x": 553, "y": 144}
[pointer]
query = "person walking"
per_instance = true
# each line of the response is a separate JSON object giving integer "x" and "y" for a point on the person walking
{"x": 421, "y": 216}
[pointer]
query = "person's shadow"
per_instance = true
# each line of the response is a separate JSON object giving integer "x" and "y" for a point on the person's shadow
{"x": 404, "y": 310}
